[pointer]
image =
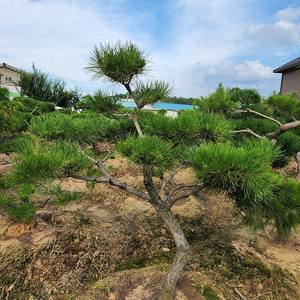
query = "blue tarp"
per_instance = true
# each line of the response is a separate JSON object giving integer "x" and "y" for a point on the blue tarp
{"x": 171, "y": 106}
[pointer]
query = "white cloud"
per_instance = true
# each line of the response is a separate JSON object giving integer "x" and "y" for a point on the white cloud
{"x": 283, "y": 32}
{"x": 291, "y": 13}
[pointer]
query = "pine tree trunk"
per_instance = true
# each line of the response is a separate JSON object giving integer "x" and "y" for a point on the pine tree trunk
{"x": 137, "y": 125}
{"x": 182, "y": 250}
{"x": 182, "y": 246}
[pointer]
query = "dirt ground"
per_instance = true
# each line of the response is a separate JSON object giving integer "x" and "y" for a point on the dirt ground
{"x": 111, "y": 245}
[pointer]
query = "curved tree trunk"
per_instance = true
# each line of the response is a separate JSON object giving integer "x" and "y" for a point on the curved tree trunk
{"x": 182, "y": 246}
{"x": 182, "y": 250}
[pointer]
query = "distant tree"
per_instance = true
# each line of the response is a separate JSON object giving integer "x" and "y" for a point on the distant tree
{"x": 36, "y": 85}
{"x": 218, "y": 102}
{"x": 180, "y": 100}
{"x": 246, "y": 97}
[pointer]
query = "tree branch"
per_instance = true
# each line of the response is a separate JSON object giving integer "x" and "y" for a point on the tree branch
{"x": 259, "y": 114}
{"x": 248, "y": 131}
{"x": 88, "y": 178}
{"x": 193, "y": 189}
{"x": 282, "y": 129}
{"x": 42, "y": 205}
{"x": 122, "y": 115}
{"x": 122, "y": 185}
{"x": 107, "y": 156}
{"x": 132, "y": 94}
{"x": 113, "y": 181}
{"x": 171, "y": 176}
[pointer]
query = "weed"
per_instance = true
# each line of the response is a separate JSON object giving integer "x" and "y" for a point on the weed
{"x": 209, "y": 293}
{"x": 110, "y": 168}
{"x": 90, "y": 185}
{"x": 102, "y": 286}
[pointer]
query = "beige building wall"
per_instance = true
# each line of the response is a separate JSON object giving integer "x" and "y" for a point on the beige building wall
{"x": 290, "y": 82}
{"x": 9, "y": 74}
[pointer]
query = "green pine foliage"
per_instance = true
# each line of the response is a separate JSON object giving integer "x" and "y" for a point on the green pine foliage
{"x": 218, "y": 102}
{"x": 283, "y": 106}
{"x": 150, "y": 151}
{"x": 130, "y": 60}
{"x": 152, "y": 91}
{"x": 22, "y": 213}
{"x": 38, "y": 161}
{"x": 37, "y": 107}
{"x": 244, "y": 173}
{"x": 52, "y": 126}
{"x": 258, "y": 125}
{"x": 290, "y": 143}
{"x": 190, "y": 127}
{"x": 100, "y": 102}
{"x": 246, "y": 97}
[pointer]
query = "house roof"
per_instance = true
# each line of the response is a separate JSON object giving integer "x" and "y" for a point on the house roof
{"x": 7, "y": 66}
{"x": 290, "y": 65}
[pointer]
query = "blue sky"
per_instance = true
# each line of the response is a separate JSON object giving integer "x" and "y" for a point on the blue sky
{"x": 193, "y": 44}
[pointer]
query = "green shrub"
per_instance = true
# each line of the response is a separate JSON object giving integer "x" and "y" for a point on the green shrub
{"x": 100, "y": 102}
{"x": 246, "y": 97}
{"x": 52, "y": 126}
{"x": 149, "y": 151}
{"x": 286, "y": 106}
{"x": 189, "y": 127}
{"x": 5, "y": 200}
{"x": 4, "y": 94}
{"x": 56, "y": 159}
{"x": 259, "y": 126}
{"x": 290, "y": 143}
{"x": 218, "y": 102}
{"x": 14, "y": 118}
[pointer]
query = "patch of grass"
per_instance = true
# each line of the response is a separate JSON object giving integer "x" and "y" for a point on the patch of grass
{"x": 209, "y": 293}
{"x": 145, "y": 261}
{"x": 5, "y": 200}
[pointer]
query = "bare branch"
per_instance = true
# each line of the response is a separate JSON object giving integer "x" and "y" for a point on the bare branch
{"x": 122, "y": 185}
{"x": 107, "y": 156}
{"x": 34, "y": 110}
{"x": 171, "y": 176}
{"x": 250, "y": 132}
{"x": 259, "y": 114}
{"x": 42, "y": 205}
{"x": 122, "y": 115}
{"x": 192, "y": 190}
{"x": 88, "y": 178}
